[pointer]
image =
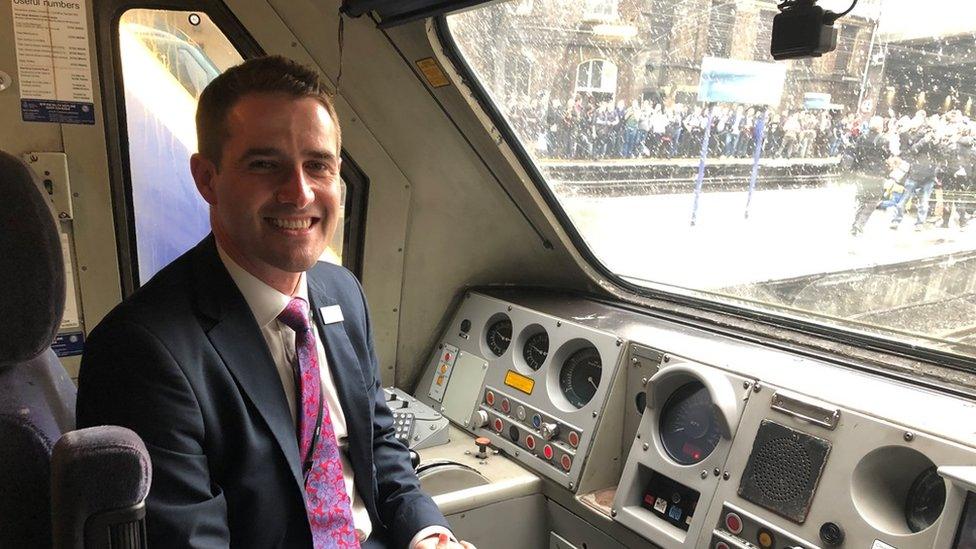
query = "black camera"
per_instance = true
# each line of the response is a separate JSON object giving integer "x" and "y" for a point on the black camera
{"x": 803, "y": 29}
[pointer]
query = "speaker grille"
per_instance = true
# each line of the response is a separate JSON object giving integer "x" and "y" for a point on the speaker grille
{"x": 783, "y": 470}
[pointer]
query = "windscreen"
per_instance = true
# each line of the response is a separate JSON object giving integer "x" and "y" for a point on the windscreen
{"x": 840, "y": 189}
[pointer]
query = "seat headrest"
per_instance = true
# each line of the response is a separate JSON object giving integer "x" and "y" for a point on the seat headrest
{"x": 32, "y": 299}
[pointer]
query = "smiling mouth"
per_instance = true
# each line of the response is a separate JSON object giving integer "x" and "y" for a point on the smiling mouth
{"x": 294, "y": 224}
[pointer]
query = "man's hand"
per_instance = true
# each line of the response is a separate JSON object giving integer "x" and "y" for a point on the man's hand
{"x": 442, "y": 541}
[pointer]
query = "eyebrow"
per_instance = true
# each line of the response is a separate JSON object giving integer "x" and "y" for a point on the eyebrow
{"x": 260, "y": 151}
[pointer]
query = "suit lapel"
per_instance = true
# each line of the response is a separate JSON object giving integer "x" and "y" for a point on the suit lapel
{"x": 239, "y": 342}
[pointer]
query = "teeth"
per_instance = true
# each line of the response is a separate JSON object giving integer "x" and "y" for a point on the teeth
{"x": 291, "y": 223}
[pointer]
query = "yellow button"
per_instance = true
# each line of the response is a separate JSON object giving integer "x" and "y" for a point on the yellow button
{"x": 440, "y": 380}
{"x": 443, "y": 368}
{"x": 765, "y": 539}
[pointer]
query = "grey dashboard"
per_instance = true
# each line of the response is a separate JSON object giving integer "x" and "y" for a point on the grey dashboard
{"x": 690, "y": 438}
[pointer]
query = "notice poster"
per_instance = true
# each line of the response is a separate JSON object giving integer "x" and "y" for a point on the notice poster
{"x": 53, "y": 61}
{"x": 745, "y": 82}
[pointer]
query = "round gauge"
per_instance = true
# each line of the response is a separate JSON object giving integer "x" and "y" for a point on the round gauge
{"x": 536, "y": 350}
{"x": 498, "y": 336}
{"x": 579, "y": 377}
{"x": 925, "y": 500}
{"x": 689, "y": 427}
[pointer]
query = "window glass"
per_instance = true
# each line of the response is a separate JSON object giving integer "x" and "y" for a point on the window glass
{"x": 168, "y": 58}
{"x": 840, "y": 189}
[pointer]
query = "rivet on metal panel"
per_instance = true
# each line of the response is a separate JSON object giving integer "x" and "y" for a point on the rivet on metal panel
{"x": 646, "y": 446}
{"x": 667, "y": 358}
{"x": 717, "y": 472}
{"x": 635, "y": 361}
{"x": 726, "y": 475}
{"x": 644, "y": 381}
{"x": 570, "y": 485}
{"x": 558, "y": 324}
{"x": 704, "y": 474}
{"x": 509, "y": 307}
{"x": 746, "y": 384}
{"x": 594, "y": 414}
{"x": 756, "y": 387}
{"x": 909, "y": 436}
{"x": 620, "y": 342}
{"x": 613, "y": 512}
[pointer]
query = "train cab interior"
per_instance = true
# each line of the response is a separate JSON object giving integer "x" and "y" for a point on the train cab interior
{"x": 632, "y": 282}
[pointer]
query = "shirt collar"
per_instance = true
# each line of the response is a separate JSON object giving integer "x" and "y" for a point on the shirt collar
{"x": 266, "y": 303}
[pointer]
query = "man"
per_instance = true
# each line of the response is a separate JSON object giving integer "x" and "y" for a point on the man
{"x": 247, "y": 366}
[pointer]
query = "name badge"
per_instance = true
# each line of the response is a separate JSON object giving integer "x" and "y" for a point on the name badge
{"x": 331, "y": 314}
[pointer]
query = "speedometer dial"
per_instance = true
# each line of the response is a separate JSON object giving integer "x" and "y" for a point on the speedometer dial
{"x": 536, "y": 350}
{"x": 499, "y": 336}
{"x": 689, "y": 425}
{"x": 579, "y": 377}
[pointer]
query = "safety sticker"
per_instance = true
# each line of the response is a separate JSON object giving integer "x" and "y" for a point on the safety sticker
{"x": 69, "y": 344}
{"x": 433, "y": 73}
{"x": 53, "y": 61}
{"x": 520, "y": 382}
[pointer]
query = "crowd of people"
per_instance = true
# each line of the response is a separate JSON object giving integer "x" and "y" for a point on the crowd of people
{"x": 897, "y": 163}
{"x": 590, "y": 128}
{"x": 903, "y": 161}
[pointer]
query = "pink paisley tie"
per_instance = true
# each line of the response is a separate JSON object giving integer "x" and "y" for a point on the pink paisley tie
{"x": 326, "y": 500}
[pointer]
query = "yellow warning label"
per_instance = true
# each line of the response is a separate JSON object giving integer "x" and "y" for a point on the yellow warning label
{"x": 433, "y": 73}
{"x": 520, "y": 382}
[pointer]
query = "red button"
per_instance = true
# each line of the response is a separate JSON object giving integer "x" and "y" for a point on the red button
{"x": 447, "y": 357}
{"x": 721, "y": 545}
{"x": 566, "y": 462}
{"x": 530, "y": 442}
{"x": 574, "y": 438}
{"x": 547, "y": 451}
{"x": 490, "y": 398}
{"x": 733, "y": 523}
{"x": 506, "y": 406}
{"x": 499, "y": 425}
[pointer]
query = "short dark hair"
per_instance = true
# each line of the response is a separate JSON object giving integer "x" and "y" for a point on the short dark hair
{"x": 269, "y": 74}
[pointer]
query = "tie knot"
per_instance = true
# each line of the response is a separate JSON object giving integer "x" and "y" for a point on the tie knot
{"x": 295, "y": 315}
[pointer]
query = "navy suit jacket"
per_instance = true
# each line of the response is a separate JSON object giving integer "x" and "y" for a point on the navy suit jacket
{"x": 182, "y": 362}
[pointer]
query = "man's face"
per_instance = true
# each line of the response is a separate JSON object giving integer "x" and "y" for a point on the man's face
{"x": 275, "y": 197}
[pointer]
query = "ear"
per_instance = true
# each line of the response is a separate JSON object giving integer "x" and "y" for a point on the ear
{"x": 204, "y": 173}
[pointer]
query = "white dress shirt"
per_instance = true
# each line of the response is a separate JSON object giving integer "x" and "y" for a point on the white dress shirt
{"x": 266, "y": 303}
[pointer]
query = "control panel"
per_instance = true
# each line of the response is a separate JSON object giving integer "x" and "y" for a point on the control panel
{"x": 547, "y": 438}
{"x": 534, "y": 384}
{"x": 417, "y": 424}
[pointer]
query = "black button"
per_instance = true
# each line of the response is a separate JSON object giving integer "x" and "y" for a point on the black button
{"x": 831, "y": 534}
{"x": 465, "y": 326}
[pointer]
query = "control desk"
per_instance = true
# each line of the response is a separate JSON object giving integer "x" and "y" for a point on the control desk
{"x": 645, "y": 430}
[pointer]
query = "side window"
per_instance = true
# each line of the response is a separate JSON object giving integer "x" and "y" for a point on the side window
{"x": 168, "y": 57}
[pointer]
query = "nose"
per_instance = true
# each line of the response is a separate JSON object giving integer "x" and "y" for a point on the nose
{"x": 296, "y": 189}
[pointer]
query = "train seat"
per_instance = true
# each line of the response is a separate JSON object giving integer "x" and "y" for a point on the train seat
{"x": 37, "y": 397}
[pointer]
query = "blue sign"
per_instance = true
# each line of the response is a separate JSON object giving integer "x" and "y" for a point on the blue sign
{"x": 745, "y": 82}
{"x": 69, "y": 344}
{"x": 61, "y": 112}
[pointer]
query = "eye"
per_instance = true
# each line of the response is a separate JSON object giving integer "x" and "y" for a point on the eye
{"x": 318, "y": 166}
{"x": 262, "y": 165}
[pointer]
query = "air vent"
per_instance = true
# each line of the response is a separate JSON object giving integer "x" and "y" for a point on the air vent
{"x": 783, "y": 470}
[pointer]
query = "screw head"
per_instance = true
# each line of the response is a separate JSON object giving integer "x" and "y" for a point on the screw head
{"x": 634, "y": 361}
{"x": 644, "y": 381}
{"x": 570, "y": 485}
{"x": 704, "y": 474}
{"x": 613, "y": 512}
{"x": 726, "y": 475}
{"x": 594, "y": 414}
{"x": 746, "y": 384}
{"x": 558, "y": 324}
{"x": 646, "y": 446}
{"x": 909, "y": 436}
{"x": 756, "y": 387}
{"x": 717, "y": 472}
{"x": 667, "y": 358}
{"x": 620, "y": 342}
